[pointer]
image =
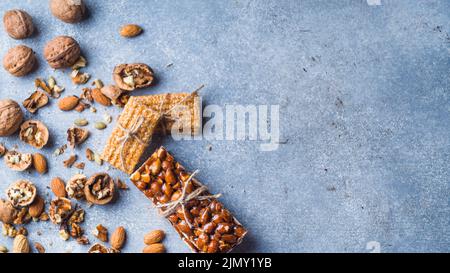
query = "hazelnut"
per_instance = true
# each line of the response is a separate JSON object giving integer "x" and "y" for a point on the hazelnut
{"x": 21, "y": 193}
{"x": 34, "y": 133}
{"x": 62, "y": 52}
{"x": 100, "y": 189}
{"x": 132, "y": 76}
{"x": 19, "y": 60}
{"x": 7, "y": 212}
{"x": 18, "y": 24}
{"x": 69, "y": 11}
{"x": 11, "y": 117}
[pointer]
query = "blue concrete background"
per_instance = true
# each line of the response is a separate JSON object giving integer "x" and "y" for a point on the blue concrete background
{"x": 364, "y": 92}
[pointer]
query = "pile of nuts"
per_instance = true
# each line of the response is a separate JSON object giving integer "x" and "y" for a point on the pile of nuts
{"x": 23, "y": 205}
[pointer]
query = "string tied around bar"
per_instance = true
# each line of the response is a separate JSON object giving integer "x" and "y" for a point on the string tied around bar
{"x": 171, "y": 207}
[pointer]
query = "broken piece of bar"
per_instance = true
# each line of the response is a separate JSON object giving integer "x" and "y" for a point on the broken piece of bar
{"x": 141, "y": 118}
{"x": 198, "y": 217}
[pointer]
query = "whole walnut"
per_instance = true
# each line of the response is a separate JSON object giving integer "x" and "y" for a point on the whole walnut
{"x": 69, "y": 11}
{"x": 19, "y": 60}
{"x": 11, "y": 117}
{"x": 61, "y": 52}
{"x": 18, "y": 24}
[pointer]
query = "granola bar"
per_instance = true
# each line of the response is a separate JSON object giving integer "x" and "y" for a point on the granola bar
{"x": 144, "y": 116}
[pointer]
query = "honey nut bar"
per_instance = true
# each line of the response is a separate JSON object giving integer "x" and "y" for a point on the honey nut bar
{"x": 198, "y": 217}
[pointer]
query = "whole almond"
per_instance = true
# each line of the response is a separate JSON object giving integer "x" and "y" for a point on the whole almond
{"x": 98, "y": 97}
{"x": 130, "y": 30}
{"x": 154, "y": 237}
{"x": 118, "y": 238}
{"x": 154, "y": 248}
{"x": 68, "y": 103}
{"x": 40, "y": 248}
{"x": 58, "y": 187}
{"x": 37, "y": 207}
{"x": 40, "y": 163}
{"x": 21, "y": 244}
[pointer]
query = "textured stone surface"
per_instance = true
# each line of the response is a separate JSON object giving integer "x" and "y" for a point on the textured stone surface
{"x": 364, "y": 96}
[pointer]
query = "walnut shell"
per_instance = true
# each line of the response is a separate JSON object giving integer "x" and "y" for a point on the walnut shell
{"x": 75, "y": 186}
{"x": 17, "y": 161}
{"x": 112, "y": 92}
{"x": 76, "y": 136}
{"x": 19, "y": 60}
{"x": 62, "y": 52}
{"x": 7, "y": 212}
{"x": 21, "y": 193}
{"x": 18, "y": 24}
{"x": 132, "y": 76}
{"x": 37, "y": 100}
{"x": 100, "y": 189}
{"x": 60, "y": 209}
{"x": 99, "y": 248}
{"x": 69, "y": 11}
{"x": 11, "y": 117}
{"x": 34, "y": 133}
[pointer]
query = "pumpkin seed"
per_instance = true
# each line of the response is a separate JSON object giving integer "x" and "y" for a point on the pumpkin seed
{"x": 81, "y": 122}
{"x": 100, "y": 125}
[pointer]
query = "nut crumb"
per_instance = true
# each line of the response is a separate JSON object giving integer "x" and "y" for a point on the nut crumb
{"x": 70, "y": 161}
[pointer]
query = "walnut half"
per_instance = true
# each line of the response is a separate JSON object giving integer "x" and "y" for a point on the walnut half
{"x": 100, "y": 189}
{"x": 17, "y": 161}
{"x": 76, "y": 136}
{"x": 75, "y": 186}
{"x": 34, "y": 133}
{"x": 21, "y": 193}
{"x": 132, "y": 76}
